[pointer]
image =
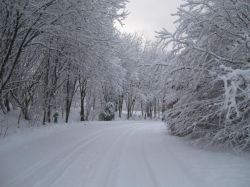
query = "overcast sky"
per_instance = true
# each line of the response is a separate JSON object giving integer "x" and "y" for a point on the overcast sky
{"x": 148, "y": 16}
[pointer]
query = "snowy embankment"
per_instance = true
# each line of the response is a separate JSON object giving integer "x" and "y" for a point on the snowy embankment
{"x": 114, "y": 154}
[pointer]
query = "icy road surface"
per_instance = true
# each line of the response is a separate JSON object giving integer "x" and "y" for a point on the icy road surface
{"x": 114, "y": 154}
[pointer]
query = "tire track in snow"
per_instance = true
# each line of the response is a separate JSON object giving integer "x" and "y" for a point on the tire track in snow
{"x": 176, "y": 164}
{"x": 183, "y": 169}
{"x": 134, "y": 167}
{"x": 111, "y": 180}
{"x": 44, "y": 165}
{"x": 108, "y": 178}
{"x": 147, "y": 163}
{"x": 59, "y": 171}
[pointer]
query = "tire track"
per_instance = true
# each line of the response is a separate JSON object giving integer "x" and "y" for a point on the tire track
{"x": 179, "y": 166}
{"x": 64, "y": 157}
{"x": 111, "y": 179}
{"x": 111, "y": 161}
{"x": 58, "y": 172}
{"x": 147, "y": 163}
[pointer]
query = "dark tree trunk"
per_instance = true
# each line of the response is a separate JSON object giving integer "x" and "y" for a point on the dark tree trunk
{"x": 70, "y": 91}
{"x": 67, "y": 112}
{"x": 83, "y": 88}
{"x": 147, "y": 110}
{"x": 25, "y": 114}
{"x": 44, "y": 117}
{"x": 158, "y": 106}
{"x": 128, "y": 111}
{"x": 67, "y": 107}
{"x": 150, "y": 110}
{"x": 7, "y": 104}
{"x": 82, "y": 112}
{"x": 132, "y": 107}
{"x": 120, "y": 105}
{"x": 129, "y": 107}
{"x": 49, "y": 114}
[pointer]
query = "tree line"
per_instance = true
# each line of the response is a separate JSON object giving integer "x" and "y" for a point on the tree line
{"x": 56, "y": 53}
{"x": 208, "y": 75}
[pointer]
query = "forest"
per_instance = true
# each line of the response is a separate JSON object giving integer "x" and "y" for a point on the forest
{"x": 58, "y": 56}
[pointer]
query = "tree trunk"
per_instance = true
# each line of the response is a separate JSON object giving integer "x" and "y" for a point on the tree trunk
{"x": 142, "y": 110}
{"x": 82, "y": 112}
{"x": 70, "y": 91}
{"x": 46, "y": 95}
{"x": 151, "y": 110}
{"x": 7, "y": 103}
{"x": 128, "y": 111}
{"x": 132, "y": 108}
{"x": 44, "y": 117}
{"x": 83, "y": 88}
{"x": 67, "y": 107}
{"x": 67, "y": 113}
{"x": 147, "y": 110}
{"x": 158, "y": 108}
{"x": 25, "y": 114}
{"x": 128, "y": 108}
{"x": 49, "y": 114}
{"x": 2, "y": 103}
{"x": 120, "y": 105}
{"x": 155, "y": 107}
{"x": 163, "y": 105}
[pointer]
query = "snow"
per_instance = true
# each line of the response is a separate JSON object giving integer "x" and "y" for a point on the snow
{"x": 114, "y": 154}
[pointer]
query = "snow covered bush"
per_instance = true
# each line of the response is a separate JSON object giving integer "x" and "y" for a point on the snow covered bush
{"x": 109, "y": 112}
{"x": 208, "y": 78}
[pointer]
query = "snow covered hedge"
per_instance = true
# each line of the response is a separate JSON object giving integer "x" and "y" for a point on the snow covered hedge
{"x": 208, "y": 79}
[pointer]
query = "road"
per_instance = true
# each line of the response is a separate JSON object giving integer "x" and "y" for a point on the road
{"x": 115, "y": 154}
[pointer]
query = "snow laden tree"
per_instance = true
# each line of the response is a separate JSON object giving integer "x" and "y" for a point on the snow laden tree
{"x": 152, "y": 63}
{"x": 47, "y": 47}
{"x": 96, "y": 60}
{"x": 208, "y": 77}
{"x": 21, "y": 23}
{"x": 129, "y": 53}
{"x": 138, "y": 88}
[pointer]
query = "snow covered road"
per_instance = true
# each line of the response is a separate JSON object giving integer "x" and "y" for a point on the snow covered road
{"x": 114, "y": 154}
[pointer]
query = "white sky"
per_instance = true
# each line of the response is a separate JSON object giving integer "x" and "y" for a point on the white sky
{"x": 148, "y": 16}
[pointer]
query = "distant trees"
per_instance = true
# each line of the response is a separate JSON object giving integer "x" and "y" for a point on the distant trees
{"x": 130, "y": 55}
{"x": 153, "y": 58}
{"x": 207, "y": 77}
{"x": 140, "y": 89}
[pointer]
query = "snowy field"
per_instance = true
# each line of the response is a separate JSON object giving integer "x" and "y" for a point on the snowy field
{"x": 114, "y": 154}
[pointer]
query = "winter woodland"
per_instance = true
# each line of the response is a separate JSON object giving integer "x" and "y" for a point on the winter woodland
{"x": 58, "y": 56}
